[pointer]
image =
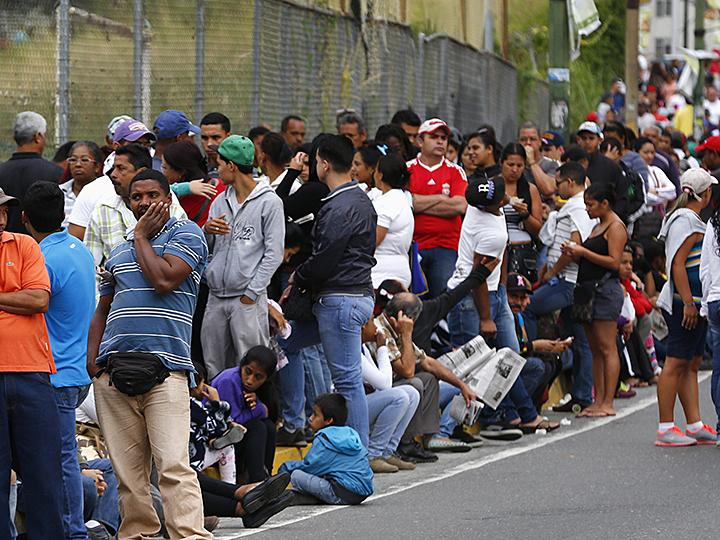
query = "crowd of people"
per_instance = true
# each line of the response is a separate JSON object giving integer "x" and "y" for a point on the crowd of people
{"x": 177, "y": 302}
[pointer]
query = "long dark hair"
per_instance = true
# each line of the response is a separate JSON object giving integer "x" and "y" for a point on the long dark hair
{"x": 267, "y": 393}
{"x": 715, "y": 222}
{"x": 185, "y": 157}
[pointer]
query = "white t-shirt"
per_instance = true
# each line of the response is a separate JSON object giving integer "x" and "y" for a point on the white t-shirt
{"x": 714, "y": 108}
{"x": 89, "y": 198}
{"x": 485, "y": 234}
{"x": 394, "y": 212}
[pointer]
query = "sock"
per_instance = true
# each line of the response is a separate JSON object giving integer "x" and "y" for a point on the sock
{"x": 697, "y": 426}
{"x": 664, "y": 426}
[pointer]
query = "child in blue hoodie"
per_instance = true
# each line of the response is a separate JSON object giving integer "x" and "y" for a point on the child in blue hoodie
{"x": 336, "y": 469}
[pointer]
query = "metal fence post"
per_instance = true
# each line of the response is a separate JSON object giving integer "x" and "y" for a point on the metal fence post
{"x": 257, "y": 28}
{"x": 138, "y": 57}
{"x": 62, "y": 96}
{"x": 419, "y": 105}
{"x": 445, "y": 96}
{"x": 200, "y": 60}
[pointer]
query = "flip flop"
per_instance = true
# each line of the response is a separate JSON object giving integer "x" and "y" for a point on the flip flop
{"x": 542, "y": 424}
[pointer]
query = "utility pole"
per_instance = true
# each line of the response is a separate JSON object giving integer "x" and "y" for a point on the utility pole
{"x": 559, "y": 70}
{"x": 632, "y": 20}
{"x": 504, "y": 30}
{"x": 699, "y": 92}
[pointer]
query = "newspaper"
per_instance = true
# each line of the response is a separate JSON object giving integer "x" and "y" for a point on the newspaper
{"x": 489, "y": 373}
{"x": 462, "y": 413}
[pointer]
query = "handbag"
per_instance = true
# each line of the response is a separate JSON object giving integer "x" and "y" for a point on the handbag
{"x": 297, "y": 304}
{"x": 135, "y": 373}
{"x": 584, "y": 299}
{"x": 418, "y": 281}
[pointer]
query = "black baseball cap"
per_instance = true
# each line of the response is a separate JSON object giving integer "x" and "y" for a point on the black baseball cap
{"x": 484, "y": 192}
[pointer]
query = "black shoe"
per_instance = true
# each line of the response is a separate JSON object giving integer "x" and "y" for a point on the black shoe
{"x": 257, "y": 519}
{"x": 268, "y": 490}
{"x": 461, "y": 435}
{"x": 210, "y": 523}
{"x": 415, "y": 453}
{"x": 285, "y": 437}
{"x": 500, "y": 432}
{"x": 571, "y": 406}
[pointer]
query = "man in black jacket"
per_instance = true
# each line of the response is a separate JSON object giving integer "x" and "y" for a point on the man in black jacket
{"x": 601, "y": 169}
{"x": 26, "y": 166}
{"x": 338, "y": 273}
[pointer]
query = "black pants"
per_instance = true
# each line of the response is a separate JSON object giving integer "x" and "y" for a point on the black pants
{"x": 254, "y": 455}
{"x": 196, "y": 351}
{"x": 218, "y": 497}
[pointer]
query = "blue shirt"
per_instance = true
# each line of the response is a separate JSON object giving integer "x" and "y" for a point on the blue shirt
{"x": 72, "y": 303}
{"x": 140, "y": 319}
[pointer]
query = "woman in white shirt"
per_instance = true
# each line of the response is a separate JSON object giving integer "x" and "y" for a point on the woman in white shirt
{"x": 659, "y": 189}
{"x": 395, "y": 223}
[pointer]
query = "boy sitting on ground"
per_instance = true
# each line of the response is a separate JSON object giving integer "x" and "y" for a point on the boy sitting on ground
{"x": 336, "y": 469}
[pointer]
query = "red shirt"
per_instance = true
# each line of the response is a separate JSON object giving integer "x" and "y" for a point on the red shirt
{"x": 447, "y": 178}
{"x": 197, "y": 207}
{"x": 24, "y": 339}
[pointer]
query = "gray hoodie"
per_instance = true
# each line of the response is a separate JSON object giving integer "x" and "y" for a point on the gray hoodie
{"x": 243, "y": 261}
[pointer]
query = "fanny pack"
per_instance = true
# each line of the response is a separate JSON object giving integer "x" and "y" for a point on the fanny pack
{"x": 135, "y": 373}
{"x": 583, "y": 307}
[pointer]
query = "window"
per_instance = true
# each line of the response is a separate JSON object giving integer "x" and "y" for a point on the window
{"x": 663, "y": 8}
{"x": 663, "y": 46}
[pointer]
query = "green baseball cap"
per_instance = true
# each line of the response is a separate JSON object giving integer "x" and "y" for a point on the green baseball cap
{"x": 236, "y": 148}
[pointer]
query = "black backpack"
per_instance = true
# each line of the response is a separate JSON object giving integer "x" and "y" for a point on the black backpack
{"x": 635, "y": 192}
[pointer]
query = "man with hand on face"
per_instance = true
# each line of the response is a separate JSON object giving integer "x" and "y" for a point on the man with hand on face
{"x": 140, "y": 341}
{"x": 246, "y": 235}
{"x": 112, "y": 218}
{"x": 540, "y": 169}
{"x": 438, "y": 192}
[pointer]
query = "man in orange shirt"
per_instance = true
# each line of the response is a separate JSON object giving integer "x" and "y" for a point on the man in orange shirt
{"x": 29, "y": 421}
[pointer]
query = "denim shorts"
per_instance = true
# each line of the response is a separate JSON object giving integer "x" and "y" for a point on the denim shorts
{"x": 682, "y": 343}
{"x": 609, "y": 299}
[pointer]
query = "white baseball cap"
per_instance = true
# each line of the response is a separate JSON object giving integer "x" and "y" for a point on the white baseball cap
{"x": 696, "y": 181}
{"x": 432, "y": 125}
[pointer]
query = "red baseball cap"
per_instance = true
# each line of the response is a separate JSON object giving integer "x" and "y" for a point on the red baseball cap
{"x": 432, "y": 125}
{"x": 711, "y": 143}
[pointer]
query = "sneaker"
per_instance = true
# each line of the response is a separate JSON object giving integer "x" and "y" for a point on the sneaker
{"x": 704, "y": 435}
{"x": 673, "y": 437}
{"x": 97, "y": 531}
{"x": 285, "y": 437}
{"x": 625, "y": 391}
{"x": 442, "y": 444}
{"x": 380, "y": 466}
{"x": 400, "y": 463}
{"x": 232, "y": 436}
{"x": 257, "y": 519}
{"x": 415, "y": 453}
{"x": 569, "y": 406}
{"x": 309, "y": 434}
{"x": 463, "y": 436}
{"x": 500, "y": 432}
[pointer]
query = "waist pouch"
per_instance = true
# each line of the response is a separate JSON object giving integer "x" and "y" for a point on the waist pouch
{"x": 135, "y": 373}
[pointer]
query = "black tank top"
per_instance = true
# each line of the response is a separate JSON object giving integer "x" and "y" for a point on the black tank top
{"x": 589, "y": 271}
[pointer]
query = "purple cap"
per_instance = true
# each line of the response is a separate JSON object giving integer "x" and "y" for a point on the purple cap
{"x": 131, "y": 130}
{"x": 171, "y": 123}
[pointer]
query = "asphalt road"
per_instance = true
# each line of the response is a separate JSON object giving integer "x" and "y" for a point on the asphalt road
{"x": 597, "y": 478}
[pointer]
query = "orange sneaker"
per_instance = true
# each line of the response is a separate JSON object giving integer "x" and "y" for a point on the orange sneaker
{"x": 674, "y": 437}
{"x": 704, "y": 435}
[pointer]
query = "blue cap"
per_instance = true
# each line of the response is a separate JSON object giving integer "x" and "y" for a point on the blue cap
{"x": 553, "y": 138}
{"x": 171, "y": 123}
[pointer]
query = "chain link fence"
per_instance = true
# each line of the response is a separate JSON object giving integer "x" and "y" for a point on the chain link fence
{"x": 81, "y": 62}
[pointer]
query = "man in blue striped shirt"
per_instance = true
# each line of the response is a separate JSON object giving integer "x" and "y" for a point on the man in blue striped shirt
{"x": 147, "y": 300}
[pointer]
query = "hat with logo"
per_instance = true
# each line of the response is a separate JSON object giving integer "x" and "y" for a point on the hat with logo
{"x": 171, "y": 123}
{"x": 553, "y": 138}
{"x": 114, "y": 123}
{"x": 132, "y": 130}
{"x": 711, "y": 143}
{"x": 236, "y": 148}
{"x": 590, "y": 127}
{"x": 432, "y": 125}
{"x": 518, "y": 283}
{"x": 483, "y": 192}
{"x": 7, "y": 199}
{"x": 696, "y": 181}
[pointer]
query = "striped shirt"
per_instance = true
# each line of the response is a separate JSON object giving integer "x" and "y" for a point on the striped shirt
{"x": 565, "y": 227}
{"x": 112, "y": 221}
{"x": 140, "y": 319}
{"x": 692, "y": 266}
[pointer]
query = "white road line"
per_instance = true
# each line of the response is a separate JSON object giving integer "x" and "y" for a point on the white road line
{"x": 472, "y": 465}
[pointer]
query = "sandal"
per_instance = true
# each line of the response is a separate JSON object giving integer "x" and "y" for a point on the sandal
{"x": 545, "y": 424}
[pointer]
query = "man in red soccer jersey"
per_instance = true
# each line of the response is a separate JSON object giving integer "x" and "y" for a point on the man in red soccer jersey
{"x": 438, "y": 192}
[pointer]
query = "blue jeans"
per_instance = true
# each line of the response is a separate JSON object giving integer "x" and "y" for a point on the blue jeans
{"x": 714, "y": 333}
{"x": 340, "y": 319}
{"x": 30, "y": 444}
{"x": 389, "y": 413}
{"x": 517, "y": 403}
{"x": 447, "y": 422}
{"x": 105, "y": 509}
{"x": 317, "y": 375}
{"x": 68, "y": 399}
{"x": 464, "y": 321}
{"x": 559, "y": 296}
{"x": 438, "y": 264}
{"x": 315, "y": 486}
{"x": 532, "y": 374}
